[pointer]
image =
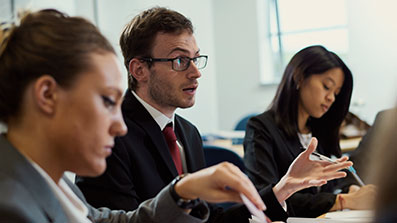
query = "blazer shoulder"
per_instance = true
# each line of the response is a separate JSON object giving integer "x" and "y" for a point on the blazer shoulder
{"x": 264, "y": 126}
{"x": 264, "y": 120}
{"x": 16, "y": 203}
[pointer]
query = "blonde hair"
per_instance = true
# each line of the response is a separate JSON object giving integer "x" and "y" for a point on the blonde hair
{"x": 5, "y": 32}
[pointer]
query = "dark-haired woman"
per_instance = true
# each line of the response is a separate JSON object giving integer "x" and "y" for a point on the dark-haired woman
{"x": 311, "y": 101}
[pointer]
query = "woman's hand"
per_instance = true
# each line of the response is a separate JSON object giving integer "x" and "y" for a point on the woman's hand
{"x": 304, "y": 173}
{"x": 219, "y": 183}
{"x": 361, "y": 198}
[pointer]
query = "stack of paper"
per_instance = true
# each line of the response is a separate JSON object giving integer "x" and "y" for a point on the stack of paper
{"x": 349, "y": 216}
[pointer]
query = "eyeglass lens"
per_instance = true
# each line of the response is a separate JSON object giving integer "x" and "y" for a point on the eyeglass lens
{"x": 183, "y": 63}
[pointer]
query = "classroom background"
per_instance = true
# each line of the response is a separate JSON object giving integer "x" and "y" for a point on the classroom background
{"x": 248, "y": 43}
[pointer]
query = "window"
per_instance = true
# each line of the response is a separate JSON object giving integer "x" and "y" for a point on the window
{"x": 294, "y": 25}
{"x": 6, "y": 10}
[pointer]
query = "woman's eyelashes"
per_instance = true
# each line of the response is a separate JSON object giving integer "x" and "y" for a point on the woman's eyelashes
{"x": 108, "y": 102}
{"x": 336, "y": 92}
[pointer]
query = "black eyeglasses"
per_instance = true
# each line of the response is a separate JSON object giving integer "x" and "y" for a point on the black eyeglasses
{"x": 181, "y": 63}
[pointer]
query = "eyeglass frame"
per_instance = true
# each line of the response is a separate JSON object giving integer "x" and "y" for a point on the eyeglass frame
{"x": 151, "y": 60}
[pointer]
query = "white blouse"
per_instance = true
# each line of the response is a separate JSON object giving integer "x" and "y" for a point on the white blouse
{"x": 305, "y": 139}
{"x": 74, "y": 208}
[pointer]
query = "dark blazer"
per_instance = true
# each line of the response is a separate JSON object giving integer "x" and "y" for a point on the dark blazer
{"x": 141, "y": 165}
{"x": 268, "y": 155}
{"x": 26, "y": 197}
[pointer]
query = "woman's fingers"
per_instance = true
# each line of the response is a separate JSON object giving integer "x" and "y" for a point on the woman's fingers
{"x": 311, "y": 148}
{"x": 353, "y": 188}
{"x": 335, "y": 175}
{"x": 316, "y": 183}
{"x": 338, "y": 166}
{"x": 342, "y": 159}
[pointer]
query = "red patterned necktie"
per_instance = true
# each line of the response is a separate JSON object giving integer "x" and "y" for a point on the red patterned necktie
{"x": 170, "y": 138}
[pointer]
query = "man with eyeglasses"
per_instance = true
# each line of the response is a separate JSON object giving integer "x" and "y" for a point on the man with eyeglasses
{"x": 163, "y": 63}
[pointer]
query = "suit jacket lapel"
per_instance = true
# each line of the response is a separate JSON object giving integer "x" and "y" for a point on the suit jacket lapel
{"x": 17, "y": 166}
{"x": 293, "y": 146}
{"x": 134, "y": 110}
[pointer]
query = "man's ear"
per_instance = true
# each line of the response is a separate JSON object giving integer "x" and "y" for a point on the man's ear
{"x": 138, "y": 69}
{"x": 45, "y": 94}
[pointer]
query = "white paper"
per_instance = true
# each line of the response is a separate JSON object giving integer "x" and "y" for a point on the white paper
{"x": 255, "y": 219}
{"x": 254, "y": 210}
{"x": 348, "y": 216}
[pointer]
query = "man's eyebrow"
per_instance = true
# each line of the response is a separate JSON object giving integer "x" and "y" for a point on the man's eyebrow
{"x": 182, "y": 50}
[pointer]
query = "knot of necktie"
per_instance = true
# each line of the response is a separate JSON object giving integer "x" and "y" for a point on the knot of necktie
{"x": 169, "y": 133}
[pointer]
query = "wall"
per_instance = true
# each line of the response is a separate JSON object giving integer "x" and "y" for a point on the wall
{"x": 372, "y": 56}
{"x": 240, "y": 60}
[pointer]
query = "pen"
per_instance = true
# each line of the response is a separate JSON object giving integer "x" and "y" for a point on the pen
{"x": 355, "y": 175}
{"x": 351, "y": 169}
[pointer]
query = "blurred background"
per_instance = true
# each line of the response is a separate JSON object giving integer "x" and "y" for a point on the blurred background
{"x": 249, "y": 43}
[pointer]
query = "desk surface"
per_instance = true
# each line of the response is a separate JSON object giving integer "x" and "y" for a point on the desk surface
{"x": 228, "y": 144}
{"x": 347, "y": 145}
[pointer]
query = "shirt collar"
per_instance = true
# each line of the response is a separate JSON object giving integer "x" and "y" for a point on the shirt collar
{"x": 74, "y": 208}
{"x": 161, "y": 119}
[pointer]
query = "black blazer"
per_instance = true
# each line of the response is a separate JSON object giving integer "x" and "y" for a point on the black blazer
{"x": 269, "y": 153}
{"x": 141, "y": 165}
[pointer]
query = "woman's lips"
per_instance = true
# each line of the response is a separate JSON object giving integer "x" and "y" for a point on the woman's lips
{"x": 108, "y": 150}
{"x": 325, "y": 107}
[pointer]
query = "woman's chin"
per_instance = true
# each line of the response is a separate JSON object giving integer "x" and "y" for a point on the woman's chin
{"x": 93, "y": 171}
{"x": 318, "y": 114}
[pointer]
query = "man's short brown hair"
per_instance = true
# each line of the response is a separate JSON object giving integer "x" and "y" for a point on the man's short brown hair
{"x": 138, "y": 36}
